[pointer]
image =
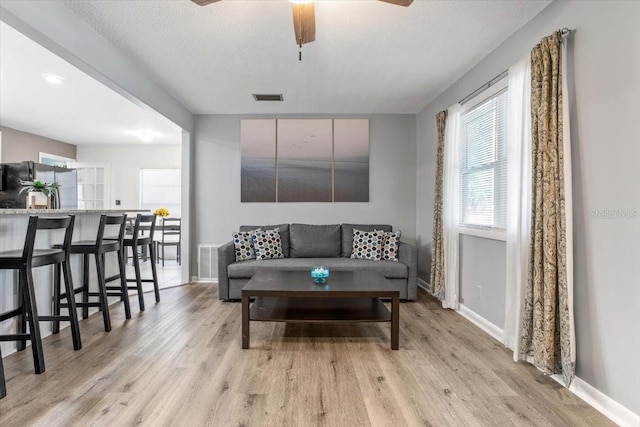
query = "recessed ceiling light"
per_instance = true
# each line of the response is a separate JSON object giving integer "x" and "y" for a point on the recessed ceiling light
{"x": 146, "y": 136}
{"x": 53, "y": 79}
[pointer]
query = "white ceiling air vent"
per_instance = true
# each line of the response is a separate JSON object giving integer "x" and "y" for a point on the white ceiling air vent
{"x": 268, "y": 97}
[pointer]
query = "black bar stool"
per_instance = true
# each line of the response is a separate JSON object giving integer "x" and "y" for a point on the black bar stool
{"x": 24, "y": 261}
{"x": 3, "y": 385}
{"x": 98, "y": 248}
{"x": 137, "y": 240}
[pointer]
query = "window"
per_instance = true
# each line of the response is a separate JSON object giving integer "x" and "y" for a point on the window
{"x": 55, "y": 160}
{"x": 160, "y": 188}
{"x": 483, "y": 159}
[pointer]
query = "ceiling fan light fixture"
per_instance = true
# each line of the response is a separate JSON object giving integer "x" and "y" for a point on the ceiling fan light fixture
{"x": 304, "y": 18}
{"x": 204, "y": 2}
{"x": 404, "y": 3}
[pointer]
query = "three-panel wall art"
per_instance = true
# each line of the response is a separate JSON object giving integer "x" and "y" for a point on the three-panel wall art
{"x": 304, "y": 160}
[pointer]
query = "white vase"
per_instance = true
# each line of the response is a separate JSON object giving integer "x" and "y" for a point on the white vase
{"x": 38, "y": 200}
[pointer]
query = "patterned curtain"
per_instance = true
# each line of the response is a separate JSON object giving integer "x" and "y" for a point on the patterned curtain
{"x": 437, "y": 245}
{"x": 547, "y": 320}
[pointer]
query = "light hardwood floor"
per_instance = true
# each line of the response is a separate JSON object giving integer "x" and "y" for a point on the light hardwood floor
{"x": 168, "y": 276}
{"x": 180, "y": 363}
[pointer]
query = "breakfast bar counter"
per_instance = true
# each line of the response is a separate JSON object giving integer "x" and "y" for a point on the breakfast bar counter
{"x": 54, "y": 212}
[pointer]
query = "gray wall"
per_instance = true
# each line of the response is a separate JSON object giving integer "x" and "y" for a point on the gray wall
{"x": 482, "y": 289}
{"x": 606, "y": 152}
{"x": 217, "y": 177}
{"x": 18, "y": 146}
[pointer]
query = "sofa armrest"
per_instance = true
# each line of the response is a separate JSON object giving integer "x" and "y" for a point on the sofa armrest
{"x": 226, "y": 257}
{"x": 408, "y": 254}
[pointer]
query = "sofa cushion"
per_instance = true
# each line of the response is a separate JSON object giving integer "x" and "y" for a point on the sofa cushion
{"x": 390, "y": 245}
{"x": 314, "y": 241}
{"x": 367, "y": 244}
{"x": 282, "y": 228}
{"x": 267, "y": 244}
{"x": 389, "y": 269}
{"x": 347, "y": 235}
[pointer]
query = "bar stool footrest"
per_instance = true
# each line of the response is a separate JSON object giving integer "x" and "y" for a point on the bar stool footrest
{"x": 112, "y": 278}
{"x": 15, "y": 337}
{"x": 10, "y": 314}
{"x": 83, "y": 304}
{"x": 54, "y": 318}
{"x": 93, "y": 294}
{"x": 63, "y": 295}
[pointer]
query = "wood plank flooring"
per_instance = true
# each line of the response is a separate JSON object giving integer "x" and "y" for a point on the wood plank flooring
{"x": 179, "y": 363}
{"x": 168, "y": 276}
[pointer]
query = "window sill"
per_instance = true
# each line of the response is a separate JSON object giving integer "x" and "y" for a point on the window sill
{"x": 492, "y": 234}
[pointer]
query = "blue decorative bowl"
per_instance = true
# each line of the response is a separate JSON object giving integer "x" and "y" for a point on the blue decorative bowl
{"x": 320, "y": 274}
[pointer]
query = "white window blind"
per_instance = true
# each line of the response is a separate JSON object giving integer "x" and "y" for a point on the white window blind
{"x": 483, "y": 164}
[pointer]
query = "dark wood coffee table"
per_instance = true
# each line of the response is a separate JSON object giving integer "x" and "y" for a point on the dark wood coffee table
{"x": 292, "y": 296}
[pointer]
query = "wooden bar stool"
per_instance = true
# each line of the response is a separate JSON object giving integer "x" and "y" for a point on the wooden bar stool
{"x": 98, "y": 248}
{"x": 138, "y": 240}
{"x": 24, "y": 261}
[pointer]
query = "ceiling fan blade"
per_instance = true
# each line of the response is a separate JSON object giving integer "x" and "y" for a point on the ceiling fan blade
{"x": 304, "y": 22}
{"x": 404, "y": 3}
{"x": 204, "y": 2}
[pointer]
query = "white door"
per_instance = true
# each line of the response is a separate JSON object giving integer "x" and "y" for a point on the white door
{"x": 93, "y": 185}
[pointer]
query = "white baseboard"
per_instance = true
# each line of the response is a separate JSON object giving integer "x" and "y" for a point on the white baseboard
{"x": 607, "y": 406}
{"x": 592, "y": 396}
{"x": 423, "y": 284}
{"x": 196, "y": 280}
{"x": 480, "y": 322}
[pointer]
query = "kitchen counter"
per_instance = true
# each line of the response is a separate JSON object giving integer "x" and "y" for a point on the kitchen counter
{"x": 13, "y": 229}
{"x": 66, "y": 211}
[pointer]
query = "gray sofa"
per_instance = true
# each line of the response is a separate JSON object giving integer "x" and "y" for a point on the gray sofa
{"x": 305, "y": 245}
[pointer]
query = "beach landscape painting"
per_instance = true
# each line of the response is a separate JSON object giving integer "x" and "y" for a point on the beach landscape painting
{"x": 351, "y": 160}
{"x": 304, "y": 160}
{"x": 258, "y": 160}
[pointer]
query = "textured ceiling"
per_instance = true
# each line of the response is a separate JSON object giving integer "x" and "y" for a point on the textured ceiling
{"x": 368, "y": 57}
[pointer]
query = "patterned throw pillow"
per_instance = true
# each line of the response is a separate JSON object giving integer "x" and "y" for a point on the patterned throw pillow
{"x": 267, "y": 244}
{"x": 367, "y": 244}
{"x": 390, "y": 246}
{"x": 243, "y": 242}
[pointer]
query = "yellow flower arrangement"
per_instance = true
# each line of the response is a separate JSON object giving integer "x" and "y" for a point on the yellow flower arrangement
{"x": 163, "y": 212}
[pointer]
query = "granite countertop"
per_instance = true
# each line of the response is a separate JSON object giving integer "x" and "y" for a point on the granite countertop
{"x": 65, "y": 211}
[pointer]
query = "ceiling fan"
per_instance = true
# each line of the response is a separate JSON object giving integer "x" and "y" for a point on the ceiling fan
{"x": 304, "y": 18}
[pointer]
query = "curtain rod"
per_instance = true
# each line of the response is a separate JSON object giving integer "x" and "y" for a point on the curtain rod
{"x": 484, "y": 86}
{"x": 564, "y": 32}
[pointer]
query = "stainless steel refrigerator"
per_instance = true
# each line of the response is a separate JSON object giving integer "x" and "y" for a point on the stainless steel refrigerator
{"x": 12, "y": 173}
